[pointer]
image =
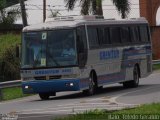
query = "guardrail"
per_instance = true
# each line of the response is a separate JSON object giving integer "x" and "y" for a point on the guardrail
{"x": 155, "y": 62}
{"x": 8, "y": 84}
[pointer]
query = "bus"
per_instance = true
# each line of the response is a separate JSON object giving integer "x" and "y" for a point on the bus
{"x": 84, "y": 53}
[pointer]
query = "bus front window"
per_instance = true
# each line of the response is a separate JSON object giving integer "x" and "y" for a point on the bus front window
{"x": 61, "y": 48}
{"x": 34, "y": 49}
{"x": 55, "y": 48}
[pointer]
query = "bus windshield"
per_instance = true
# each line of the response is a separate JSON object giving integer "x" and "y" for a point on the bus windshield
{"x": 55, "y": 48}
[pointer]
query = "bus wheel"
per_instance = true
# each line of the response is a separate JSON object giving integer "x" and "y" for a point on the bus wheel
{"x": 135, "y": 82}
{"x": 44, "y": 96}
{"x": 92, "y": 86}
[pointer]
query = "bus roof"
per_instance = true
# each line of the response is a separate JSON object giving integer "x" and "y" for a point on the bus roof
{"x": 73, "y": 21}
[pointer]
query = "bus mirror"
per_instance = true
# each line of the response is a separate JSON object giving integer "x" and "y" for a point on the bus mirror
{"x": 18, "y": 51}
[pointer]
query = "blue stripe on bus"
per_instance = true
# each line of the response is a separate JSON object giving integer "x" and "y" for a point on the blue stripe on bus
{"x": 102, "y": 79}
{"x": 41, "y": 86}
{"x": 134, "y": 51}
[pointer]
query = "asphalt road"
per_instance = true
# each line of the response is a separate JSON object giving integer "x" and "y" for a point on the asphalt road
{"x": 111, "y": 97}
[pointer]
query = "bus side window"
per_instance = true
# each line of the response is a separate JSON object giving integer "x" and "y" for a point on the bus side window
{"x": 134, "y": 32}
{"x": 103, "y": 35}
{"x": 115, "y": 35}
{"x": 82, "y": 46}
{"x": 100, "y": 35}
{"x": 81, "y": 39}
{"x": 93, "y": 38}
{"x": 125, "y": 35}
{"x": 144, "y": 33}
{"x": 106, "y": 36}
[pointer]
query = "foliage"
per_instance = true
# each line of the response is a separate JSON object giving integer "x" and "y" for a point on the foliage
{"x": 122, "y": 6}
{"x": 8, "y": 16}
{"x": 87, "y": 6}
{"x": 9, "y": 64}
{"x": 156, "y": 67}
{"x": 7, "y": 40}
{"x": 95, "y": 6}
{"x": 12, "y": 2}
{"x": 54, "y": 13}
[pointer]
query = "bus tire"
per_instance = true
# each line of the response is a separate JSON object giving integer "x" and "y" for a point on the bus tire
{"x": 135, "y": 82}
{"x": 44, "y": 96}
{"x": 92, "y": 86}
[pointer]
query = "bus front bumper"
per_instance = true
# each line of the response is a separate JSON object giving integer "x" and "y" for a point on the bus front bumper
{"x": 43, "y": 86}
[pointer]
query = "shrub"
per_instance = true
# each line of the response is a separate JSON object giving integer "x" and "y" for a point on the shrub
{"x": 10, "y": 65}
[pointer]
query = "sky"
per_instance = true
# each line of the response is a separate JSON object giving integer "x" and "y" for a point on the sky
{"x": 35, "y": 10}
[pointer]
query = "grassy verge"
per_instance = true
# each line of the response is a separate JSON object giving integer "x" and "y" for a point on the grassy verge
{"x": 137, "y": 113}
{"x": 12, "y": 93}
{"x": 156, "y": 67}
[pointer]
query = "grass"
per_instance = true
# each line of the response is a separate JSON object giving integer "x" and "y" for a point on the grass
{"x": 12, "y": 93}
{"x": 144, "y": 110}
{"x": 7, "y": 40}
{"x": 156, "y": 67}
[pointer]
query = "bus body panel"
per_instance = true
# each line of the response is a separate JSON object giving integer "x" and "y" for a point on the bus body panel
{"x": 119, "y": 67}
{"x": 111, "y": 63}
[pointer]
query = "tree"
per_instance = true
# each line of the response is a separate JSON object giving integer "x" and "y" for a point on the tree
{"x": 95, "y": 6}
{"x": 7, "y": 16}
{"x": 123, "y": 7}
{"x": 54, "y": 13}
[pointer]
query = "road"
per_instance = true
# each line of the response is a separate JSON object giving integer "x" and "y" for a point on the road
{"x": 111, "y": 97}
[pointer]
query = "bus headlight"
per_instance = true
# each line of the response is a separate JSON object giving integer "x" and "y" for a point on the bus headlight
{"x": 69, "y": 84}
{"x": 26, "y": 87}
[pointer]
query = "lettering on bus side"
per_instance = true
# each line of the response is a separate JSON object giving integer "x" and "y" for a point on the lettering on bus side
{"x": 111, "y": 54}
{"x": 53, "y": 72}
{"x": 44, "y": 72}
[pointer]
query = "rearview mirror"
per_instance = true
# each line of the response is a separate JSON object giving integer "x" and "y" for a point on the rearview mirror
{"x": 18, "y": 51}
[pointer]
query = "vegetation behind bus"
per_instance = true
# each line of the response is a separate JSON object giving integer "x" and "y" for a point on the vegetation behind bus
{"x": 9, "y": 63}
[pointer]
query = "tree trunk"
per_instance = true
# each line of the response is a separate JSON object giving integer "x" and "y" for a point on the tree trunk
{"x": 99, "y": 9}
{"x": 23, "y": 10}
{"x": 94, "y": 7}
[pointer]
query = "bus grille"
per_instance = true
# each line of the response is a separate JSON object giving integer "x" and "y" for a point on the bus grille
{"x": 40, "y": 78}
{"x": 55, "y": 77}
{"x": 46, "y": 78}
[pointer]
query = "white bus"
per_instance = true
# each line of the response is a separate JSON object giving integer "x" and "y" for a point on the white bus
{"x": 83, "y": 54}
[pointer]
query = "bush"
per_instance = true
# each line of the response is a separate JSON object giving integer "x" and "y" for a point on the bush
{"x": 10, "y": 65}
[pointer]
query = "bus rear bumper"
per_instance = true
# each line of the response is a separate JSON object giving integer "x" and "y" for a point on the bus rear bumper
{"x": 40, "y": 86}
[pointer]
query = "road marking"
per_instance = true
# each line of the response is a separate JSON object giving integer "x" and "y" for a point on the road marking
{"x": 75, "y": 110}
{"x": 69, "y": 107}
{"x": 38, "y": 116}
{"x": 28, "y": 98}
{"x": 114, "y": 99}
{"x": 73, "y": 107}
